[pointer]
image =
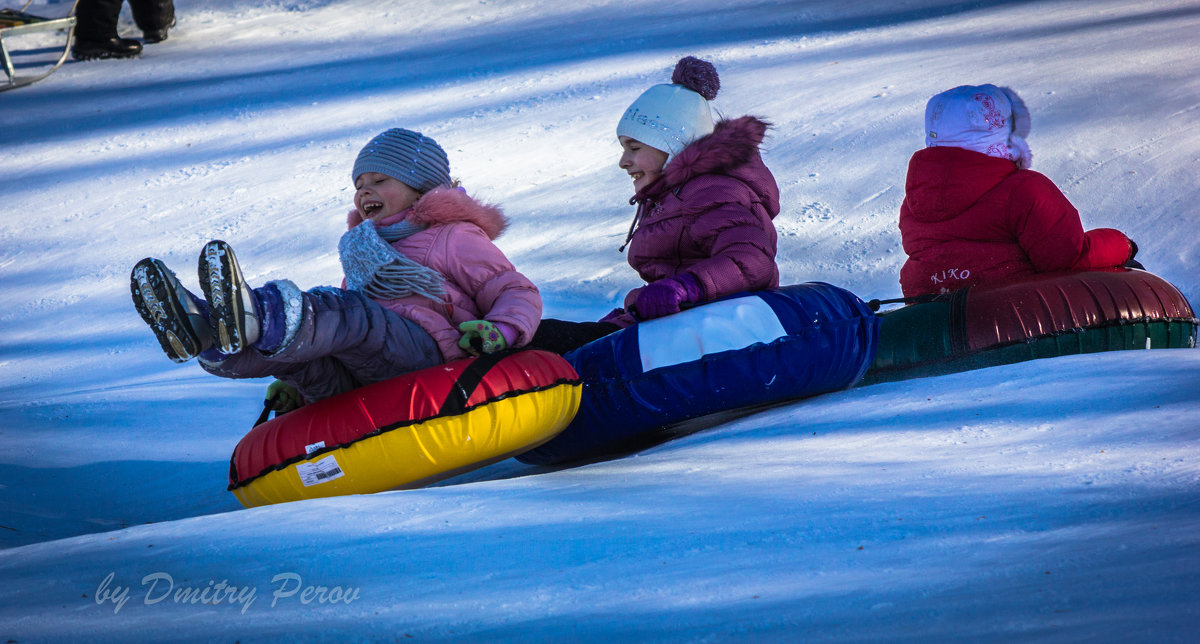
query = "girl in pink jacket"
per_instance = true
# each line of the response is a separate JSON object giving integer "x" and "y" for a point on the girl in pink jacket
{"x": 424, "y": 284}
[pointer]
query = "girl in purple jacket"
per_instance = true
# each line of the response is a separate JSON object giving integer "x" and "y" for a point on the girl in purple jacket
{"x": 705, "y": 204}
{"x": 424, "y": 284}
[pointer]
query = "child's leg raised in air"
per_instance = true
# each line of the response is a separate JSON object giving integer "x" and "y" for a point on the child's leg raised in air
{"x": 337, "y": 340}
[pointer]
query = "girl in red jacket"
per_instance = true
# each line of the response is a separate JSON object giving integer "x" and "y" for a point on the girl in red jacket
{"x": 973, "y": 211}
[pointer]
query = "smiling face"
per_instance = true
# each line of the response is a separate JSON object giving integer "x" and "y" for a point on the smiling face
{"x": 379, "y": 195}
{"x": 643, "y": 163}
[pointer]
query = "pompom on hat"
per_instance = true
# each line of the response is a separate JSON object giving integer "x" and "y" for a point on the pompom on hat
{"x": 670, "y": 117}
{"x": 984, "y": 118}
{"x": 410, "y": 157}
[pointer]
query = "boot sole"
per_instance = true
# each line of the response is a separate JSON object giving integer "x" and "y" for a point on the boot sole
{"x": 221, "y": 280}
{"x": 153, "y": 289}
{"x": 103, "y": 55}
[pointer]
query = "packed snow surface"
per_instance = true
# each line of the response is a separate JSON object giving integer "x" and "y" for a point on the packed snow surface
{"x": 1055, "y": 500}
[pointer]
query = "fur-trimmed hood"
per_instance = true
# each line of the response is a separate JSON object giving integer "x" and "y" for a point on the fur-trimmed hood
{"x": 732, "y": 149}
{"x": 445, "y": 206}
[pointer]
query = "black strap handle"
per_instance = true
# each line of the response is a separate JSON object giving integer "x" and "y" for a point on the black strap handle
{"x": 468, "y": 381}
{"x": 460, "y": 391}
{"x": 268, "y": 405}
{"x": 916, "y": 299}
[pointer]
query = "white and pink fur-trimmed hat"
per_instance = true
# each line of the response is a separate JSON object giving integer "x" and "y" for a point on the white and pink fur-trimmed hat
{"x": 984, "y": 118}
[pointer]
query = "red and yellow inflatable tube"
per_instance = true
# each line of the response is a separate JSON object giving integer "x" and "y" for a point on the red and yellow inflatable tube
{"x": 409, "y": 431}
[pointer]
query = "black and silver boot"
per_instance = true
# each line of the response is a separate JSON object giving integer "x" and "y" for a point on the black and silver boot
{"x": 231, "y": 302}
{"x": 172, "y": 311}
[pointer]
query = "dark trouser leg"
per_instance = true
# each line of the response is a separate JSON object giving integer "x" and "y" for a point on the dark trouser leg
{"x": 345, "y": 340}
{"x": 96, "y": 19}
{"x": 562, "y": 337}
{"x": 152, "y": 15}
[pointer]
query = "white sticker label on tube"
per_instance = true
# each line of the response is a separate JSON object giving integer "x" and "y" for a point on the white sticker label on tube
{"x": 322, "y": 471}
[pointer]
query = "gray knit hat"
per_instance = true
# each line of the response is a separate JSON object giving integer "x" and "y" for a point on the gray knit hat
{"x": 411, "y": 157}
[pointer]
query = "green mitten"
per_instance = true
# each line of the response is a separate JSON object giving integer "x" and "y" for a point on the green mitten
{"x": 283, "y": 397}
{"x": 481, "y": 336}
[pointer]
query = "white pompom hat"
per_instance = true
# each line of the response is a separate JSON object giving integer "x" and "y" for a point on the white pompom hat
{"x": 670, "y": 117}
{"x": 984, "y": 118}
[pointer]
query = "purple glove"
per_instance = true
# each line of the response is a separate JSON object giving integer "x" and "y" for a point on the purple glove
{"x": 620, "y": 317}
{"x": 666, "y": 296}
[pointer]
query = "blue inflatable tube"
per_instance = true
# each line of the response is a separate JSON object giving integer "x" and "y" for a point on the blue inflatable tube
{"x": 750, "y": 349}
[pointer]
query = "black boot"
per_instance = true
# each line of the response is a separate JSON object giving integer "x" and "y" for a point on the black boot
{"x": 154, "y": 17}
{"x": 178, "y": 318}
{"x": 233, "y": 307}
{"x": 156, "y": 35}
{"x": 109, "y": 48}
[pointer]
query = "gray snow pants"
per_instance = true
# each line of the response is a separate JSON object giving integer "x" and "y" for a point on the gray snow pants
{"x": 344, "y": 340}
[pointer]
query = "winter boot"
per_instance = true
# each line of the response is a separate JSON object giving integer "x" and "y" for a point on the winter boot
{"x": 233, "y": 308}
{"x": 106, "y": 48}
{"x": 154, "y": 17}
{"x": 157, "y": 35}
{"x": 178, "y": 318}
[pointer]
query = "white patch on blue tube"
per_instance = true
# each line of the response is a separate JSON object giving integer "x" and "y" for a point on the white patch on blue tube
{"x": 719, "y": 326}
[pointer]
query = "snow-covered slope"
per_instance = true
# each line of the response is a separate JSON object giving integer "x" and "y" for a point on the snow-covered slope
{"x": 1056, "y": 500}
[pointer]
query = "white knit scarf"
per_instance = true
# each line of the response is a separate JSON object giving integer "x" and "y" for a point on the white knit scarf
{"x": 379, "y": 271}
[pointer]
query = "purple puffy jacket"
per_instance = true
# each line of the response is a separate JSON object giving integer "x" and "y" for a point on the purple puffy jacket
{"x": 710, "y": 215}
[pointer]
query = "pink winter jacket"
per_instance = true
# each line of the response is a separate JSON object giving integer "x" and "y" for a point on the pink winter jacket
{"x": 710, "y": 215}
{"x": 481, "y": 284}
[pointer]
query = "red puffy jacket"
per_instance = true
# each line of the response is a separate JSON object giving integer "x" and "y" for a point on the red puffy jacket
{"x": 968, "y": 219}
